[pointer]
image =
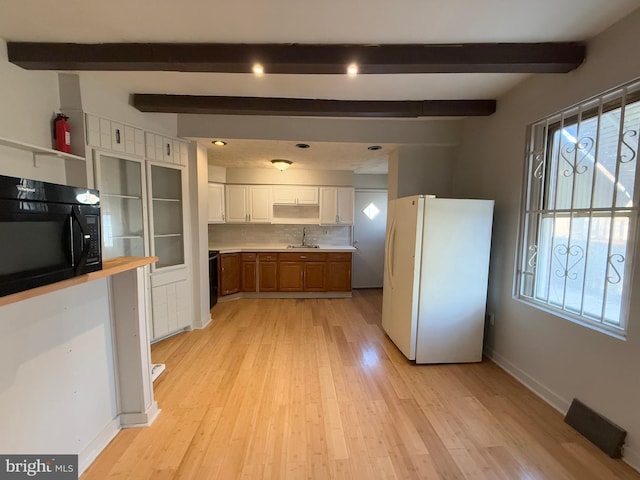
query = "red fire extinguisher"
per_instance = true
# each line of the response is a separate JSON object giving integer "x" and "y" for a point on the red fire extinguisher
{"x": 62, "y": 133}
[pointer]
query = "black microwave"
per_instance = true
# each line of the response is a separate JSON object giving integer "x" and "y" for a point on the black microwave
{"x": 48, "y": 233}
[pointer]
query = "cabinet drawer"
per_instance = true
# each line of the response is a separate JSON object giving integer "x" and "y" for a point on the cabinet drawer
{"x": 268, "y": 257}
{"x": 339, "y": 257}
{"x": 248, "y": 257}
{"x": 302, "y": 257}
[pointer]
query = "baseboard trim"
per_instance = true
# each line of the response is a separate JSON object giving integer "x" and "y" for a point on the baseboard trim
{"x": 540, "y": 390}
{"x": 236, "y": 296}
{"x": 88, "y": 454}
{"x": 205, "y": 322}
{"x": 144, "y": 419}
{"x": 630, "y": 456}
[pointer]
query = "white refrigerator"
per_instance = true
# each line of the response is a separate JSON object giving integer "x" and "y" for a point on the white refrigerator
{"x": 435, "y": 277}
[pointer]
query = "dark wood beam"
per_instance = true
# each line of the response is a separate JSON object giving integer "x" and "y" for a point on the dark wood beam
{"x": 310, "y": 107}
{"x": 301, "y": 58}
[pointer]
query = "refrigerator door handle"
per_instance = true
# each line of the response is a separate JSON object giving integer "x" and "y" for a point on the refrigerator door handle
{"x": 390, "y": 251}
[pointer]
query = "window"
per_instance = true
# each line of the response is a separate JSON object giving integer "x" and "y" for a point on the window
{"x": 580, "y": 209}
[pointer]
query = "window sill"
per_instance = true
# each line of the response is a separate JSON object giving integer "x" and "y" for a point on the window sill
{"x": 610, "y": 331}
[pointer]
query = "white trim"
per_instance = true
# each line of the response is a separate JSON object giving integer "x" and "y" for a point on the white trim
{"x": 204, "y": 322}
{"x": 630, "y": 456}
{"x": 89, "y": 453}
{"x": 132, "y": 420}
{"x": 540, "y": 390}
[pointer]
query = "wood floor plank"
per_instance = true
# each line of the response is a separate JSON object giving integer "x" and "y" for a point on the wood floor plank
{"x": 313, "y": 389}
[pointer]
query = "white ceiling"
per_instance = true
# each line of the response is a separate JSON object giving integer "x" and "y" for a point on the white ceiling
{"x": 319, "y": 155}
{"x": 306, "y": 21}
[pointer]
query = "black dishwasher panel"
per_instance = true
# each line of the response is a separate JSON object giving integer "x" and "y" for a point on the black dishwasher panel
{"x": 214, "y": 255}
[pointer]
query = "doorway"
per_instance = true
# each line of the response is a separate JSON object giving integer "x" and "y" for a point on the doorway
{"x": 369, "y": 225}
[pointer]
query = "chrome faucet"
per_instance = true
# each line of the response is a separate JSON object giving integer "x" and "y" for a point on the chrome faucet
{"x": 304, "y": 236}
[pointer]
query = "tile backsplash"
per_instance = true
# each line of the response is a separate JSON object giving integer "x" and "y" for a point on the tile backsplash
{"x": 243, "y": 234}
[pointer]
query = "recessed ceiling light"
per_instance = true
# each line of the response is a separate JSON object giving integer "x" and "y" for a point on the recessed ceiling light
{"x": 374, "y": 147}
{"x": 302, "y": 145}
{"x": 257, "y": 69}
{"x": 219, "y": 143}
{"x": 352, "y": 70}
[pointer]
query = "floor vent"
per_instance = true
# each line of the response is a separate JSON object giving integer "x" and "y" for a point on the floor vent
{"x": 601, "y": 431}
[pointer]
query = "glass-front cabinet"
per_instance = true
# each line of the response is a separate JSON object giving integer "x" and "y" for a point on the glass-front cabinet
{"x": 121, "y": 186}
{"x": 167, "y": 226}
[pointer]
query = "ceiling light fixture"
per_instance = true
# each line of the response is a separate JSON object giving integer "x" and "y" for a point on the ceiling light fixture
{"x": 352, "y": 70}
{"x": 281, "y": 164}
{"x": 219, "y": 143}
{"x": 302, "y": 145}
{"x": 374, "y": 147}
{"x": 257, "y": 69}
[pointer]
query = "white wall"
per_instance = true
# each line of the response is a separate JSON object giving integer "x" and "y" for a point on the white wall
{"x": 365, "y": 130}
{"x": 558, "y": 359}
{"x": 57, "y": 384}
{"x": 375, "y": 181}
{"x": 425, "y": 169}
{"x": 109, "y": 102}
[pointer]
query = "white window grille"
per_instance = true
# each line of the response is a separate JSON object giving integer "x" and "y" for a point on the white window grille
{"x": 580, "y": 209}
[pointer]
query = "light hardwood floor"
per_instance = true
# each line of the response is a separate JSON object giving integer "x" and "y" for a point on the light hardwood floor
{"x": 312, "y": 389}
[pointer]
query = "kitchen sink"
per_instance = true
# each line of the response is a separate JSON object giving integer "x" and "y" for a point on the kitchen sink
{"x": 303, "y": 246}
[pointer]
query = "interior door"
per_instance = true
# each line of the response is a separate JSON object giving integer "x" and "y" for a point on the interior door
{"x": 369, "y": 234}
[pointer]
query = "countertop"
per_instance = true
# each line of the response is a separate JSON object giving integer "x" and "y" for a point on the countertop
{"x": 110, "y": 267}
{"x": 278, "y": 248}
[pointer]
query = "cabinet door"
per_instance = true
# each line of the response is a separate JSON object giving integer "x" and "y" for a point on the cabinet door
{"x": 345, "y": 205}
{"x": 268, "y": 276}
{"x": 260, "y": 206}
{"x": 338, "y": 276}
{"x": 184, "y": 153}
{"x": 159, "y": 311}
{"x": 290, "y": 276}
{"x": 307, "y": 195}
{"x": 175, "y": 151}
{"x": 328, "y": 205}
{"x": 284, "y": 195}
{"x": 166, "y": 185}
{"x": 314, "y": 276}
{"x": 105, "y": 133}
{"x": 117, "y": 137}
{"x": 236, "y": 203}
{"x": 93, "y": 130}
{"x": 122, "y": 211}
{"x": 216, "y": 203}
{"x": 159, "y": 144}
{"x": 138, "y": 142}
{"x": 129, "y": 140}
{"x": 229, "y": 273}
{"x": 248, "y": 275}
{"x": 150, "y": 145}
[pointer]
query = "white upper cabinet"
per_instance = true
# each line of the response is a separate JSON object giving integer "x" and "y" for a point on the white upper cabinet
{"x": 248, "y": 203}
{"x": 216, "y": 210}
{"x": 294, "y": 195}
{"x": 165, "y": 149}
{"x": 114, "y": 136}
{"x": 336, "y": 205}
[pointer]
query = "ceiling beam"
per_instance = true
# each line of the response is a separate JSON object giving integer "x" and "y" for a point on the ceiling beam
{"x": 310, "y": 107}
{"x": 301, "y": 58}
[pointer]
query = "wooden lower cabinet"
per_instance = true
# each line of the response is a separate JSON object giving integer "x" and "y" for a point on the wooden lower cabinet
{"x": 314, "y": 276}
{"x": 285, "y": 272}
{"x": 290, "y": 276}
{"x": 338, "y": 272}
{"x": 267, "y": 272}
{"x": 229, "y": 273}
{"x": 248, "y": 273}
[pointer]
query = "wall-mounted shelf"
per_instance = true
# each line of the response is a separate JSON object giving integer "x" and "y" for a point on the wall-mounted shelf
{"x": 39, "y": 151}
